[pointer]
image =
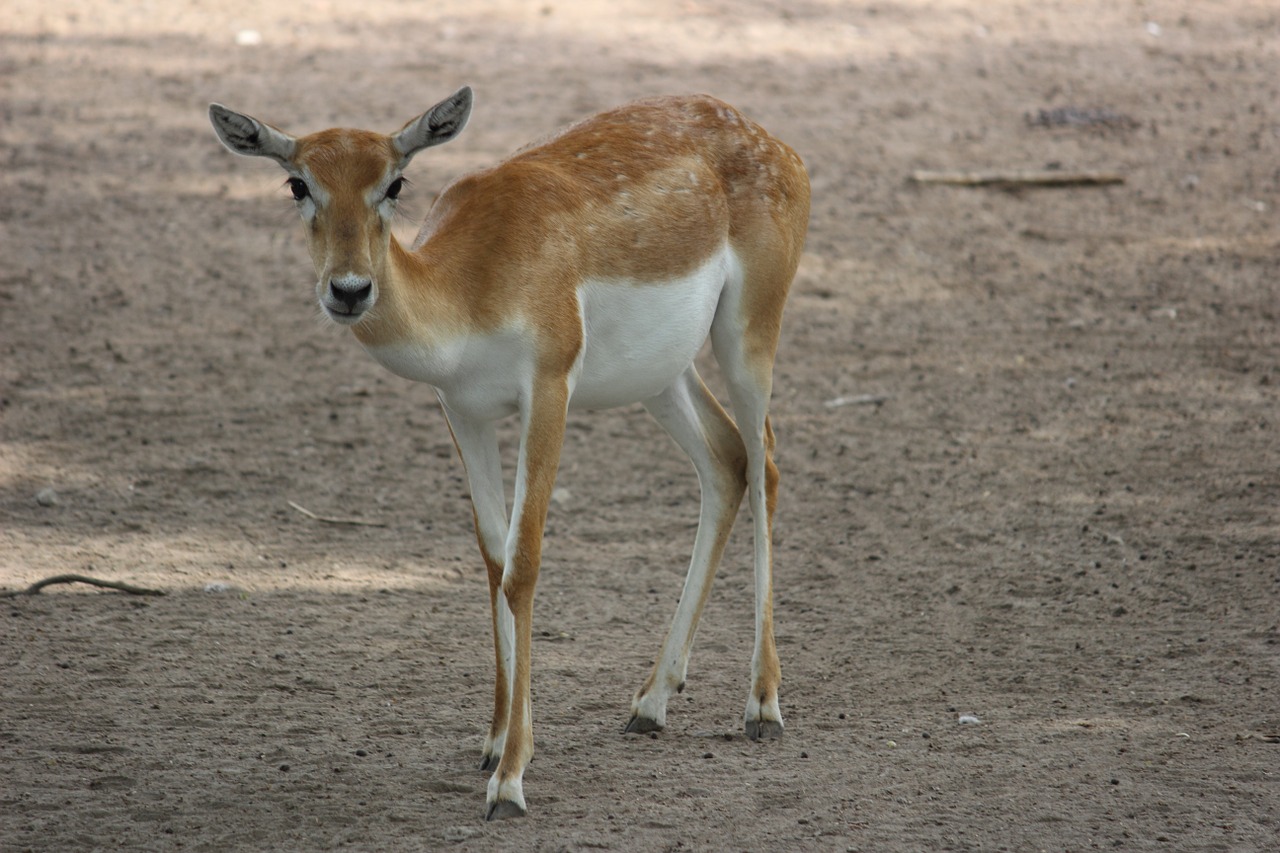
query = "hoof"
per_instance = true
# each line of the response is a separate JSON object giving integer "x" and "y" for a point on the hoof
{"x": 764, "y": 729}
{"x": 642, "y": 725}
{"x": 489, "y": 762}
{"x": 503, "y": 809}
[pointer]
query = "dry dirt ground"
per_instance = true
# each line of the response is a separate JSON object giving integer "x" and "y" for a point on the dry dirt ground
{"x": 1060, "y": 515}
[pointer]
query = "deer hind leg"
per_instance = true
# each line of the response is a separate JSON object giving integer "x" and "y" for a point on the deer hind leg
{"x": 697, "y": 423}
{"x": 477, "y": 444}
{"x": 745, "y": 354}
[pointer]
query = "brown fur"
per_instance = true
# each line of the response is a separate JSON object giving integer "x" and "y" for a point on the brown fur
{"x": 645, "y": 192}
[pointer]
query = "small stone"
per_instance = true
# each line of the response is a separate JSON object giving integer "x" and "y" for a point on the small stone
{"x": 47, "y": 497}
{"x": 458, "y": 834}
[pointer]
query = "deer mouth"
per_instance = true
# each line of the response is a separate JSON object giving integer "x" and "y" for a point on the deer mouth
{"x": 343, "y": 315}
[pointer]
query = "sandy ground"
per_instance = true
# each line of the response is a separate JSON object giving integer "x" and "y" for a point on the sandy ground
{"x": 1060, "y": 515}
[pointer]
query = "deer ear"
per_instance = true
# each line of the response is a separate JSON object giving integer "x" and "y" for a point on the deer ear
{"x": 246, "y": 135}
{"x": 436, "y": 126}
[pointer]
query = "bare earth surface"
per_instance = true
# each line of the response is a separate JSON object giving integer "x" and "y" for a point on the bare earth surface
{"x": 1028, "y": 439}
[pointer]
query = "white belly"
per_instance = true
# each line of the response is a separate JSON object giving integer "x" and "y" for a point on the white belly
{"x": 639, "y": 337}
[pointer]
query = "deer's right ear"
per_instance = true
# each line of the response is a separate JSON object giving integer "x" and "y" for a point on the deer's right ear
{"x": 246, "y": 135}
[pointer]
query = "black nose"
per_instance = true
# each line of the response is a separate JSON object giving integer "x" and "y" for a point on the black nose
{"x": 350, "y": 293}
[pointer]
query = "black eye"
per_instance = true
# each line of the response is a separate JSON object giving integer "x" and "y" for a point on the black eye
{"x": 299, "y": 189}
{"x": 393, "y": 191}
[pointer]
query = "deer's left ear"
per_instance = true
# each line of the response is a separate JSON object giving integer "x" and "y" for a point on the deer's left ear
{"x": 436, "y": 126}
{"x": 246, "y": 135}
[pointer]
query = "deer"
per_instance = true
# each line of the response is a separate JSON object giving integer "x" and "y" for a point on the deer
{"x": 585, "y": 271}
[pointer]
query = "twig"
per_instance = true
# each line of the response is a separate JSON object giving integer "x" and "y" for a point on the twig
{"x": 39, "y": 585}
{"x": 1045, "y": 178}
{"x": 1269, "y": 737}
{"x": 330, "y": 520}
{"x": 876, "y": 400}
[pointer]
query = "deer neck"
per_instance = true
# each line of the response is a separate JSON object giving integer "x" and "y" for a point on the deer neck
{"x": 414, "y": 302}
{"x": 423, "y": 320}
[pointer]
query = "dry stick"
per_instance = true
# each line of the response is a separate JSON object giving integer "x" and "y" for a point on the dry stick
{"x": 1265, "y": 738}
{"x": 1046, "y": 178}
{"x": 329, "y": 520}
{"x": 39, "y": 585}
{"x": 859, "y": 400}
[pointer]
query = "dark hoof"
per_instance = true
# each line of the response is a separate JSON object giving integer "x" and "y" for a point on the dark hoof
{"x": 641, "y": 725}
{"x": 489, "y": 762}
{"x": 764, "y": 729}
{"x": 503, "y": 809}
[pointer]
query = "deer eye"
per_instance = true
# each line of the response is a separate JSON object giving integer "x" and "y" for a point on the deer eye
{"x": 299, "y": 189}
{"x": 393, "y": 191}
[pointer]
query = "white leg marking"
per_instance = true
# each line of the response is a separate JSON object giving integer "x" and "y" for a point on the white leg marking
{"x": 478, "y": 445}
{"x": 749, "y": 389}
{"x": 509, "y": 791}
{"x": 698, "y": 424}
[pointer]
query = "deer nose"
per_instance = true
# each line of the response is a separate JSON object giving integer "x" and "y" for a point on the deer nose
{"x": 350, "y": 291}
